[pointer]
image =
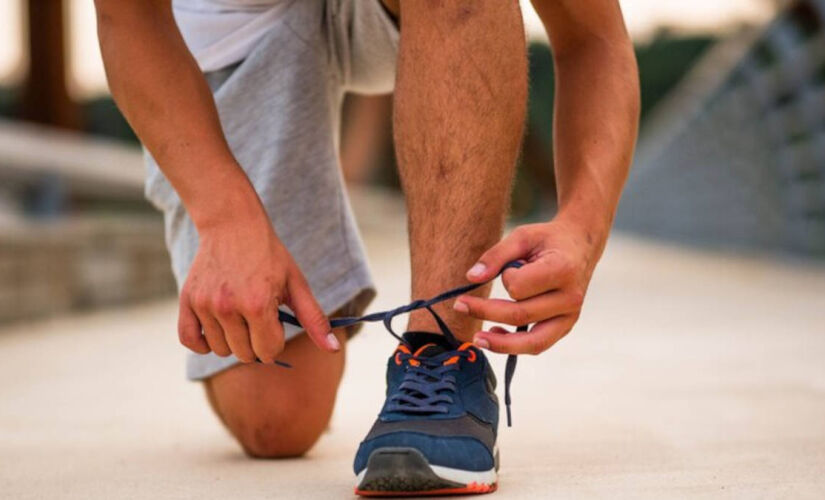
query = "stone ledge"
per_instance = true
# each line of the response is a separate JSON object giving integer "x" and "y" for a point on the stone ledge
{"x": 74, "y": 264}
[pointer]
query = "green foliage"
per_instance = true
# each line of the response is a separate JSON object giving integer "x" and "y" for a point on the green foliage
{"x": 8, "y": 102}
{"x": 101, "y": 117}
{"x": 664, "y": 62}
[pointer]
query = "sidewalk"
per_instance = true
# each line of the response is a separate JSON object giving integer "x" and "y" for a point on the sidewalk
{"x": 690, "y": 374}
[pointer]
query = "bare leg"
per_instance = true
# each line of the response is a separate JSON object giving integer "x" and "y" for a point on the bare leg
{"x": 459, "y": 111}
{"x": 275, "y": 412}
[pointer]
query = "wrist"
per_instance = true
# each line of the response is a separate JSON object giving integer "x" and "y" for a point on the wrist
{"x": 230, "y": 200}
{"x": 593, "y": 225}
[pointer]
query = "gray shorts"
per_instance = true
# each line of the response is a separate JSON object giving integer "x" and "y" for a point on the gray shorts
{"x": 280, "y": 112}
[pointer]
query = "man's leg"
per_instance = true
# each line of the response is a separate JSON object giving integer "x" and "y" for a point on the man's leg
{"x": 459, "y": 112}
{"x": 277, "y": 412}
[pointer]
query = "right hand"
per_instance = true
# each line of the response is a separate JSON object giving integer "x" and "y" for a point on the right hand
{"x": 229, "y": 302}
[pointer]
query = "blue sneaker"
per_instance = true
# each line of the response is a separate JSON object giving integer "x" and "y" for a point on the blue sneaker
{"x": 436, "y": 433}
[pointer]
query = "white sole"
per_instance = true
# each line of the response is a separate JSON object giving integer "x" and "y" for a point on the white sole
{"x": 454, "y": 475}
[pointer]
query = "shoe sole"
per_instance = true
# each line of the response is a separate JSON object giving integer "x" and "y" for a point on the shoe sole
{"x": 405, "y": 472}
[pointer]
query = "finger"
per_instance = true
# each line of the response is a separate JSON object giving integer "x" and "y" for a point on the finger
{"x": 548, "y": 272}
{"x": 482, "y": 342}
{"x": 540, "y": 338}
{"x": 517, "y": 313}
{"x": 214, "y": 334}
{"x": 310, "y": 314}
{"x": 513, "y": 247}
{"x": 189, "y": 328}
{"x": 236, "y": 334}
{"x": 266, "y": 334}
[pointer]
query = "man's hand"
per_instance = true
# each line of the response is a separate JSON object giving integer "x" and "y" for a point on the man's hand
{"x": 240, "y": 275}
{"x": 548, "y": 290}
{"x": 596, "y": 119}
{"x": 242, "y": 272}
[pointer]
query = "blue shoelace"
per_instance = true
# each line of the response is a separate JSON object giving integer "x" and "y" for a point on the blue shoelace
{"x": 424, "y": 386}
{"x": 427, "y": 383}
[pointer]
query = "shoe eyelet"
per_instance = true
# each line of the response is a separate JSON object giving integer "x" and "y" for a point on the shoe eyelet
{"x": 472, "y": 357}
{"x": 397, "y": 359}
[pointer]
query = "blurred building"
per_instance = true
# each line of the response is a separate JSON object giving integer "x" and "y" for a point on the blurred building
{"x": 735, "y": 155}
{"x": 75, "y": 230}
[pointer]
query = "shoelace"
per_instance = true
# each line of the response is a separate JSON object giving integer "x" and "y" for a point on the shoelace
{"x": 431, "y": 396}
{"x": 425, "y": 386}
{"x": 427, "y": 381}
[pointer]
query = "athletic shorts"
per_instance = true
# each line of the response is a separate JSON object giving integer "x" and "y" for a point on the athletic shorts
{"x": 280, "y": 111}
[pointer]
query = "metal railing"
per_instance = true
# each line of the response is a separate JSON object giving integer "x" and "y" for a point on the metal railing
{"x": 736, "y": 156}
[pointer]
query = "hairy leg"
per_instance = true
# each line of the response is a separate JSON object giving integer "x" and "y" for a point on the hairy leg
{"x": 459, "y": 110}
{"x": 276, "y": 412}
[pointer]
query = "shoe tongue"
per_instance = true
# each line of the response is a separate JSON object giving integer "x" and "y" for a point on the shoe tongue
{"x": 426, "y": 344}
{"x": 429, "y": 351}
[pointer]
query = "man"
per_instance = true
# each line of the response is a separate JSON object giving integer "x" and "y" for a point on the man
{"x": 245, "y": 137}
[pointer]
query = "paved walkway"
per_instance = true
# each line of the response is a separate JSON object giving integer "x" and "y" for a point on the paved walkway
{"x": 691, "y": 374}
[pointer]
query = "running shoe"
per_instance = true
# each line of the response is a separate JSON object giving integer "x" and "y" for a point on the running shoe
{"x": 436, "y": 433}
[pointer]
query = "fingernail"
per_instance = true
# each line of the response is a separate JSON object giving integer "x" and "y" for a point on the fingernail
{"x": 477, "y": 269}
{"x": 482, "y": 343}
{"x": 461, "y": 307}
{"x": 332, "y": 341}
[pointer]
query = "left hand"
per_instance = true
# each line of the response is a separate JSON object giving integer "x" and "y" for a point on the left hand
{"x": 548, "y": 290}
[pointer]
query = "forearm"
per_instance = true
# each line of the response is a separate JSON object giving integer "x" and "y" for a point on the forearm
{"x": 162, "y": 93}
{"x": 595, "y": 130}
{"x": 595, "y": 127}
{"x": 596, "y": 115}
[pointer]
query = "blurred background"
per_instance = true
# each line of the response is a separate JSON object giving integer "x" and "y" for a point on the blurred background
{"x": 719, "y": 248}
{"x": 731, "y": 154}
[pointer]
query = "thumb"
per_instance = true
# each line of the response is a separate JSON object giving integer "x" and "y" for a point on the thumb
{"x": 512, "y": 247}
{"x": 310, "y": 314}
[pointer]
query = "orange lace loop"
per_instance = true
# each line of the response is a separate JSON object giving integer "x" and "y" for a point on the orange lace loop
{"x": 453, "y": 360}
{"x": 401, "y": 348}
{"x": 464, "y": 347}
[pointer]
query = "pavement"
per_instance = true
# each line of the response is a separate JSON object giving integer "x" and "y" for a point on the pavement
{"x": 691, "y": 374}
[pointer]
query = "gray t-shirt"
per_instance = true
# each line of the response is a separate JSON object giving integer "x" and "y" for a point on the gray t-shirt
{"x": 280, "y": 111}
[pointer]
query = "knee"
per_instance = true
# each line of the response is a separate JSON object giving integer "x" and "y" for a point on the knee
{"x": 269, "y": 416}
{"x": 277, "y": 413}
{"x": 277, "y": 435}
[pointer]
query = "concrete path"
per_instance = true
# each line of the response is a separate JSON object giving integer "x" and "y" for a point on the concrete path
{"x": 691, "y": 374}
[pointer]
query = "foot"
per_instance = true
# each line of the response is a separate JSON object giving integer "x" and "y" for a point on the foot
{"x": 436, "y": 433}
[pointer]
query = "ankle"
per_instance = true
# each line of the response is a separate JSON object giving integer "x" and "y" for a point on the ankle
{"x": 461, "y": 326}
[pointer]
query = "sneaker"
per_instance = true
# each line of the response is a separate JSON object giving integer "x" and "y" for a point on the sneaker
{"x": 436, "y": 433}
